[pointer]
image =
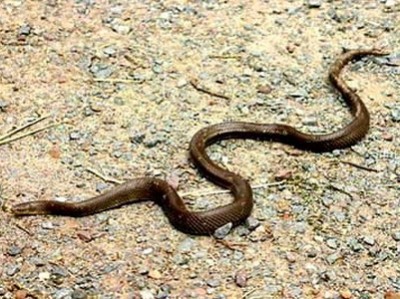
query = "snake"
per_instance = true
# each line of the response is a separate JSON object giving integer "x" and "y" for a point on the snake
{"x": 237, "y": 211}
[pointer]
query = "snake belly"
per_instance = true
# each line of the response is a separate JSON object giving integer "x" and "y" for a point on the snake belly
{"x": 206, "y": 222}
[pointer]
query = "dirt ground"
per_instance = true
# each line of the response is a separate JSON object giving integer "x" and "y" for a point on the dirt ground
{"x": 109, "y": 82}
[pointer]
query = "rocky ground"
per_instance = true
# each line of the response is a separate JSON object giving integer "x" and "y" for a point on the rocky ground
{"x": 111, "y": 84}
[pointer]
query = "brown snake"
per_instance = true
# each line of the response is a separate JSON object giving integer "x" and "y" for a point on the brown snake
{"x": 206, "y": 222}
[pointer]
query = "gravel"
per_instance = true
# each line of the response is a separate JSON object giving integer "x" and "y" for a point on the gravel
{"x": 115, "y": 77}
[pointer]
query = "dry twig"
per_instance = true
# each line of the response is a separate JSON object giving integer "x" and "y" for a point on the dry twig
{"x": 196, "y": 86}
{"x": 358, "y": 166}
{"x": 104, "y": 178}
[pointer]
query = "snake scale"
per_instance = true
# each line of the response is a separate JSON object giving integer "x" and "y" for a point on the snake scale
{"x": 206, "y": 222}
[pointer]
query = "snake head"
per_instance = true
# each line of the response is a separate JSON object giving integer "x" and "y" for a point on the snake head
{"x": 27, "y": 208}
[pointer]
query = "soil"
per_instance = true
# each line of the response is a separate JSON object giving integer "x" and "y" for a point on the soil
{"x": 110, "y": 84}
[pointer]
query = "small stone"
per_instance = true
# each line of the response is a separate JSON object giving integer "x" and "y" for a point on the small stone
{"x": 283, "y": 174}
{"x": 392, "y": 295}
{"x": 78, "y": 294}
{"x": 21, "y": 294}
{"x": 137, "y": 137}
{"x": 369, "y": 240}
{"x": 186, "y": 245}
{"x": 109, "y": 51}
{"x": 241, "y": 279}
{"x": 332, "y": 243}
{"x": 74, "y": 135}
{"x": 223, "y": 231}
{"x": 148, "y": 251}
{"x": 14, "y": 250}
{"x": 395, "y": 114}
{"x": 332, "y": 258}
{"x": 44, "y": 276}
{"x": 101, "y": 71}
{"x": 101, "y": 186}
{"x": 345, "y": 294}
{"x": 396, "y": 236}
{"x": 390, "y": 3}
{"x": 3, "y": 105}
{"x": 291, "y": 257}
{"x": 314, "y": 3}
{"x": 328, "y": 275}
{"x": 310, "y": 121}
{"x": 155, "y": 274}
{"x": 38, "y": 262}
{"x": 312, "y": 252}
{"x": 179, "y": 259}
{"x": 11, "y": 270}
{"x": 264, "y": 89}
{"x": 62, "y": 293}
{"x": 242, "y": 231}
{"x": 252, "y": 223}
{"x": 181, "y": 82}
{"x": 146, "y": 294}
{"x": 355, "y": 245}
{"x": 25, "y": 30}
{"x": 121, "y": 29}
{"x": 213, "y": 283}
{"x": 387, "y": 136}
{"x": 47, "y": 225}
{"x": 143, "y": 270}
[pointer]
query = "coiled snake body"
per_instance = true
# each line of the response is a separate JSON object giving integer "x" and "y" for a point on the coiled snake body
{"x": 205, "y": 223}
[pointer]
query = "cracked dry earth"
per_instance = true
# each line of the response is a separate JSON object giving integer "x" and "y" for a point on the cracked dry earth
{"x": 111, "y": 84}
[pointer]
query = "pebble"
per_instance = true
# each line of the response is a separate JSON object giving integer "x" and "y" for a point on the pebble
{"x": 390, "y": 3}
{"x": 186, "y": 245}
{"x": 78, "y": 294}
{"x": 101, "y": 186}
{"x": 14, "y": 250}
{"x": 147, "y": 251}
{"x": 44, "y": 276}
{"x": 155, "y": 274}
{"x": 121, "y": 28}
{"x": 101, "y": 71}
{"x": 2, "y": 290}
{"x": 21, "y": 294}
{"x": 241, "y": 279}
{"x": 74, "y": 135}
{"x": 369, "y": 240}
{"x": 355, "y": 245}
{"x": 182, "y": 82}
{"x": 332, "y": 258}
{"x": 3, "y": 105}
{"x": 137, "y": 137}
{"x": 346, "y": 294}
{"x": 11, "y": 270}
{"x": 223, "y": 231}
{"x": 252, "y": 223}
{"x": 395, "y": 114}
{"x": 332, "y": 243}
{"x": 62, "y": 293}
{"x": 47, "y": 225}
{"x": 110, "y": 51}
{"x": 213, "y": 283}
{"x": 310, "y": 121}
{"x": 396, "y": 236}
{"x": 314, "y": 3}
{"x": 25, "y": 30}
{"x": 146, "y": 294}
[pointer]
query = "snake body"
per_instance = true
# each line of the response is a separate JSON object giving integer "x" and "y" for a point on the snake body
{"x": 206, "y": 222}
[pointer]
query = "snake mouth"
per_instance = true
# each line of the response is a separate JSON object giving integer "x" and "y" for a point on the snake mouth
{"x": 26, "y": 209}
